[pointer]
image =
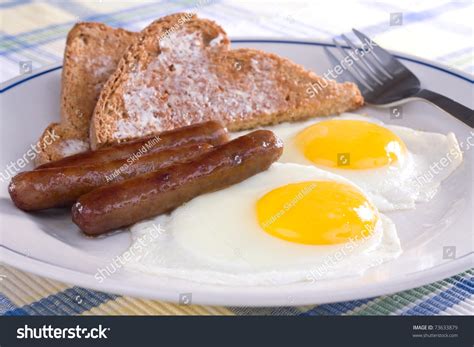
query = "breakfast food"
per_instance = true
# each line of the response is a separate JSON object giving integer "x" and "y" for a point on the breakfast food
{"x": 170, "y": 78}
{"x": 91, "y": 56}
{"x": 396, "y": 166}
{"x": 67, "y": 142}
{"x": 62, "y": 186}
{"x": 210, "y": 132}
{"x": 148, "y": 112}
{"x": 290, "y": 223}
{"x": 121, "y": 204}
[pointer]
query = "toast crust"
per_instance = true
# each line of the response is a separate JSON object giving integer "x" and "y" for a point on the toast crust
{"x": 171, "y": 78}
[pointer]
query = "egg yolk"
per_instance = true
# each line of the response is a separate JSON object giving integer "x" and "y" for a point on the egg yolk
{"x": 350, "y": 144}
{"x": 317, "y": 213}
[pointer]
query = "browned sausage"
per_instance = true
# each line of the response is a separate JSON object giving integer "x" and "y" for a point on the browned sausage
{"x": 62, "y": 186}
{"x": 145, "y": 196}
{"x": 211, "y": 132}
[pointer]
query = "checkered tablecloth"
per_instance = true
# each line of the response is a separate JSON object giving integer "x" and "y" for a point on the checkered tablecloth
{"x": 35, "y": 31}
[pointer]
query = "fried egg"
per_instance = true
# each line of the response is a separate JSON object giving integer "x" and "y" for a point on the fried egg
{"x": 396, "y": 166}
{"x": 290, "y": 223}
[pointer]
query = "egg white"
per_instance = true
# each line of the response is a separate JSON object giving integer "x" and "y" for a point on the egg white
{"x": 398, "y": 186}
{"x": 216, "y": 238}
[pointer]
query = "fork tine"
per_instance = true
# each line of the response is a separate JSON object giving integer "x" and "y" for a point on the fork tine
{"x": 346, "y": 75}
{"x": 363, "y": 78}
{"x": 373, "y": 71}
{"x": 382, "y": 56}
{"x": 335, "y": 62}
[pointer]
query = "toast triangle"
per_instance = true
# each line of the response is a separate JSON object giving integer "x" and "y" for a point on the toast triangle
{"x": 92, "y": 53}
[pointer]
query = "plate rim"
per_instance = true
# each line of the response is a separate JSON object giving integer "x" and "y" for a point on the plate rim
{"x": 227, "y": 298}
{"x": 233, "y": 295}
{"x": 13, "y": 82}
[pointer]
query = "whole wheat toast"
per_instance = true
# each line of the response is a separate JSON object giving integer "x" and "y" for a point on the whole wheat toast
{"x": 92, "y": 53}
{"x": 180, "y": 70}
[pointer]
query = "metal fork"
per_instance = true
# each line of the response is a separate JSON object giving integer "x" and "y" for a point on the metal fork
{"x": 385, "y": 81}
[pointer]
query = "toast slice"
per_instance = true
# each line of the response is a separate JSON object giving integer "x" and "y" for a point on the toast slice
{"x": 92, "y": 53}
{"x": 181, "y": 70}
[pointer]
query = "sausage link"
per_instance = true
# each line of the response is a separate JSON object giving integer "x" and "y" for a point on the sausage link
{"x": 122, "y": 204}
{"x": 211, "y": 132}
{"x": 62, "y": 186}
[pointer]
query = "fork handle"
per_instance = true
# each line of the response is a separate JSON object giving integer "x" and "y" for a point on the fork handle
{"x": 461, "y": 112}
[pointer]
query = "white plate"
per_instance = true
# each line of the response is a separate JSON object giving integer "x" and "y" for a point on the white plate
{"x": 48, "y": 244}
